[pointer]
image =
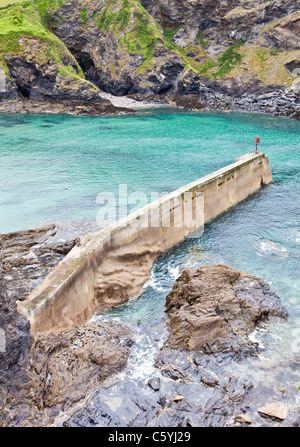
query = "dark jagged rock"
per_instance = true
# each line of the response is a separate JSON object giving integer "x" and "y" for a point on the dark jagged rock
{"x": 29, "y": 256}
{"x": 222, "y": 22}
{"x": 215, "y": 309}
{"x": 70, "y": 364}
{"x": 74, "y": 107}
{"x": 39, "y": 377}
{"x": 14, "y": 383}
{"x": 195, "y": 386}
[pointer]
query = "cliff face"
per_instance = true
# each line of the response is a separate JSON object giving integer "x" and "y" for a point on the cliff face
{"x": 195, "y": 53}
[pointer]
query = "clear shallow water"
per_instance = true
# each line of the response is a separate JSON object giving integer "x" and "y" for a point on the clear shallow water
{"x": 158, "y": 151}
{"x": 162, "y": 150}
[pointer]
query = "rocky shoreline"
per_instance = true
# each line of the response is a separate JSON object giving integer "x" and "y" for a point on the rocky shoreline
{"x": 103, "y": 107}
{"x": 200, "y": 95}
{"x": 42, "y": 377}
{"x": 255, "y": 100}
{"x": 80, "y": 377}
{"x": 204, "y": 56}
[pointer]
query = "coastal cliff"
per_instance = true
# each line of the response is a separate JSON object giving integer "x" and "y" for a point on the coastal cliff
{"x": 203, "y": 55}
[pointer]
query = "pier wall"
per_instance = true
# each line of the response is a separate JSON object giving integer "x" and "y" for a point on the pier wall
{"x": 112, "y": 265}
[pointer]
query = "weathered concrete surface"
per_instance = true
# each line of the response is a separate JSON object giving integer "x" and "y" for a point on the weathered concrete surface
{"x": 110, "y": 266}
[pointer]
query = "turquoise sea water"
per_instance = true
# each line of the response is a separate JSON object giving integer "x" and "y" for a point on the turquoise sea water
{"x": 159, "y": 151}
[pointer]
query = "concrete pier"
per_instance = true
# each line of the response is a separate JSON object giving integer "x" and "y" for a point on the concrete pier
{"x": 111, "y": 265}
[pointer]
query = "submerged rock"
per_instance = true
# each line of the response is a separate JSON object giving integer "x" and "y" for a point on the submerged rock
{"x": 215, "y": 309}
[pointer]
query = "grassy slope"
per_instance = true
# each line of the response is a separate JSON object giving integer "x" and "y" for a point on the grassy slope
{"x": 268, "y": 65}
{"x": 4, "y": 3}
{"x": 137, "y": 31}
{"x": 28, "y": 20}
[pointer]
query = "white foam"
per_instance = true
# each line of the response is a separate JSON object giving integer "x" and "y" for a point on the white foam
{"x": 253, "y": 337}
{"x": 273, "y": 248}
{"x": 174, "y": 271}
{"x": 153, "y": 283}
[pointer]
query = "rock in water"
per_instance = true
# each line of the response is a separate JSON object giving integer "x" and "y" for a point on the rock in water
{"x": 154, "y": 383}
{"x": 274, "y": 410}
{"x": 214, "y": 310}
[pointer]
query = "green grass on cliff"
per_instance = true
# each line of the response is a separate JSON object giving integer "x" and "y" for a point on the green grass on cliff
{"x": 27, "y": 20}
{"x": 268, "y": 65}
{"x": 4, "y": 3}
{"x": 116, "y": 16}
{"x": 137, "y": 30}
{"x": 24, "y": 20}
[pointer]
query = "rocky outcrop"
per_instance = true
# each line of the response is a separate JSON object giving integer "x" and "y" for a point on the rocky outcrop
{"x": 14, "y": 355}
{"x": 124, "y": 68}
{"x": 57, "y": 371}
{"x": 67, "y": 366}
{"x": 215, "y": 309}
{"x": 37, "y": 83}
{"x": 219, "y": 23}
{"x": 29, "y": 256}
{"x": 69, "y": 378}
{"x": 195, "y": 92}
{"x": 39, "y": 377}
{"x": 62, "y": 106}
{"x": 284, "y": 33}
{"x": 210, "y": 313}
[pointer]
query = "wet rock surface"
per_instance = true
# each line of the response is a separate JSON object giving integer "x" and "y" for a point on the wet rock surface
{"x": 199, "y": 387}
{"x": 86, "y": 377}
{"x": 39, "y": 378}
{"x": 215, "y": 309}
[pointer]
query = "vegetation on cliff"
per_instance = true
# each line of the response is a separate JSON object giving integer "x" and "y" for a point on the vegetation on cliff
{"x": 136, "y": 42}
{"x": 29, "y": 20}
